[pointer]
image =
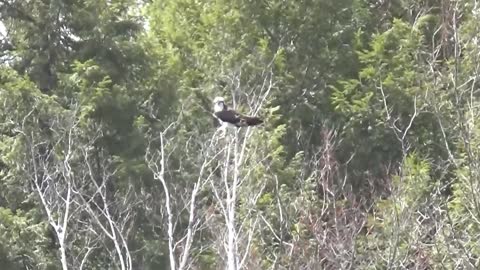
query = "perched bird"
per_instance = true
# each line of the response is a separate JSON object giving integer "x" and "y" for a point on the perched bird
{"x": 228, "y": 117}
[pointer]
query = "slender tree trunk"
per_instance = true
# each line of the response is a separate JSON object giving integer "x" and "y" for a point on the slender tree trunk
{"x": 63, "y": 256}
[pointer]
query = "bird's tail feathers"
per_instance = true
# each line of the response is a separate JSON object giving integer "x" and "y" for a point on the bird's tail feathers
{"x": 253, "y": 121}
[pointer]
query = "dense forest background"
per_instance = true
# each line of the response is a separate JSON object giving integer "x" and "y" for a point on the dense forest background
{"x": 368, "y": 157}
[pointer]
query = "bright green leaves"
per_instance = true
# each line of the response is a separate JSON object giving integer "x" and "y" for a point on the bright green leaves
{"x": 90, "y": 86}
{"x": 70, "y": 62}
{"x": 22, "y": 241}
{"x": 350, "y": 99}
{"x": 26, "y": 112}
{"x": 414, "y": 183}
{"x": 396, "y": 81}
{"x": 25, "y": 108}
{"x": 399, "y": 224}
{"x": 386, "y": 93}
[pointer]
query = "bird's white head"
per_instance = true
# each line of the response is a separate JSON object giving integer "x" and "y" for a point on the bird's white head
{"x": 218, "y": 99}
{"x": 218, "y": 104}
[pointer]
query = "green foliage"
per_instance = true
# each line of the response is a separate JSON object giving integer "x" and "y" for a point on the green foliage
{"x": 24, "y": 240}
{"x": 368, "y": 153}
{"x": 393, "y": 225}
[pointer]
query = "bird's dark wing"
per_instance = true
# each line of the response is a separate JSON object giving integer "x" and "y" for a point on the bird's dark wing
{"x": 238, "y": 119}
{"x": 251, "y": 120}
{"x": 229, "y": 116}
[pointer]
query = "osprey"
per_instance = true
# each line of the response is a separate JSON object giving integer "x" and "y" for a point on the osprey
{"x": 231, "y": 117}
